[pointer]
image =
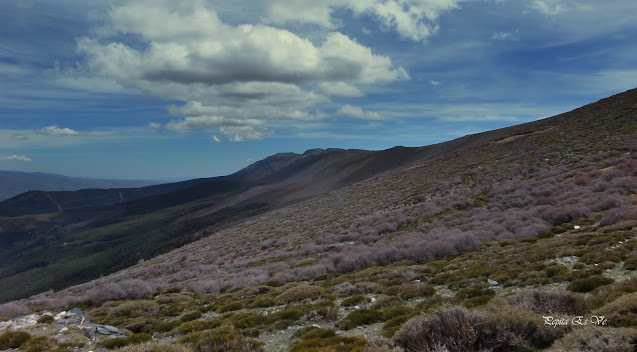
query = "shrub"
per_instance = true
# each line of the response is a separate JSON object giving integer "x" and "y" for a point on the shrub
{"x": 394, "y": 324}
{"x": 542, "y": 302}
{"x": 454, "y": 329}
{"x": 220, "y": 340}
{"x": 13, "y": 339}
{"x": 248, "y": 320}
{"x": 40, "y": 344}
{"x": 141, "y": 325}
{"x": 301, "y": 293}
{"x": 555, "y": 270}
{"x": 355, "y": 300}
{"x": 415, "y": 291}
{"x": 594, "y": 339}
{"x": 197, "y": 325}
{"x": 13, "y": 309}
{"x": 450, "y": 328}
{"x": 131, "y": 309}
{"x": 630, "y": 264}
{"x": 230, "y": 307}
{"x": 333, "y": 343}
{"x": 360, "y": 317}
{"x": 589, "y": 284}
{"x": 619, "y": 214}
{"x": 125, "y": 341}
{"x": 46, "y": 319}
{"x": 390, "y": 301}
{"x": 568, "y": 214}
{"x": 192, "y": 315}
{"x": 154, "y": 347}
{"x": 622, "y": 312}
{"x": 381, "y": 345}
{"x": 167, "y": 326}
{"x": 312, "y": 332}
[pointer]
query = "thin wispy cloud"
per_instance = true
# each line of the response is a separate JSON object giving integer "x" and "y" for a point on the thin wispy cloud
{"x": 15, "y": 157}
{"x": 56, "y": 131}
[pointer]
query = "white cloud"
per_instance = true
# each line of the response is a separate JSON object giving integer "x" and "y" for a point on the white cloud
{"x": 504, "y": 36}
{"x": 548, "y": 7}
{"x": 216, "y": 139}
{"x": 411, "y": 19}
{"x": 56, "y": 131}
{"x": 246, "y": 75}
{"x": 358, "y": 112}
{"x": 19, "y": 137}
{"x": 340, "y": 88}
{"x": 15, "y": 157}
{"x": 154, "y": 125}
{"x": 435, "y": 83}
{"x": 242, "y": 133}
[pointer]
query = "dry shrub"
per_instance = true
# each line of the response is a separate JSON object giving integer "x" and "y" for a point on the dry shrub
{"x": 155, "y": 347}
{"x": 619, "y": 214}
{"x": 128, "y": 289}
{"x": 541, "y": 301}
{"x": 301, "y": 292}
{"x": 133, "y": 309}
{"x": 454, "y": 329}
{"x": 13, "y": 309}
{"x": 40, "y": 344}
{"x": 382, "y": 345}
{"x": 595, "y": 339}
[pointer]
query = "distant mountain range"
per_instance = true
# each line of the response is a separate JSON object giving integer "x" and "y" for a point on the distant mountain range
{"x": 13, "y": 183}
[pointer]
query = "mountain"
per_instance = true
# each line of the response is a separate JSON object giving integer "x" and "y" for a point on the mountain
{"x": 13, "y": 183}
{"x": 488, "y": 233}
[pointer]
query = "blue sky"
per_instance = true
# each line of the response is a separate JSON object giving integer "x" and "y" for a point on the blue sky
{"x": 158, "y": 89}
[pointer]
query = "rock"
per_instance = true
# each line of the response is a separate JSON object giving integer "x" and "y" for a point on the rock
{"x": 76, "y": 311}
{"x": 64, "y": 329}
{"x": 492, "y": 282}
{"x": 107, "y": 330}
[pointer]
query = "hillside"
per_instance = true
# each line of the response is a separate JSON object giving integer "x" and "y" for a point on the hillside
{"x": 486, "y": 234}
{"x": 13, "y": 183}
{"x": 57, "y": 239}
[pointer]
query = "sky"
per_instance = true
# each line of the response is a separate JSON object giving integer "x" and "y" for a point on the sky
{"x": 166, "y": 90}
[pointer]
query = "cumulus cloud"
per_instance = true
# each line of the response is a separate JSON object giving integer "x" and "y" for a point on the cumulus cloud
{"x": 340, "y": 89}
{"x": 358, "y": 112}
{"x": 411, "y": 19}
{"x": 15, "y": 157}
{"x": 216, "y": 139}
{"x": 154, "y": 125}
{"x": 56, "y": 131}
{"x": 232, "y": 78}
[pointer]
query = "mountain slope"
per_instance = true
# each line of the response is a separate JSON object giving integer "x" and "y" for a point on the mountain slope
{"x": 479, "y": 222}
{"x": 459, "y": 174}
